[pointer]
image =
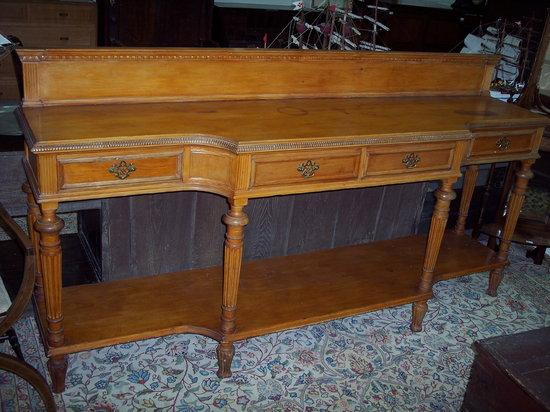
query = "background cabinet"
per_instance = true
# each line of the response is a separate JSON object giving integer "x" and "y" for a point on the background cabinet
{"x": 44, "y": 23}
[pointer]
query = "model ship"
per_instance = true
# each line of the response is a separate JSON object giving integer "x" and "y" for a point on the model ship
{"x": 514, "y": 42}
{"x": 355, "y": 25}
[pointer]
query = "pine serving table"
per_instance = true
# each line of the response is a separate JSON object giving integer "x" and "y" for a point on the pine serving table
{"x": 245, "y": 124}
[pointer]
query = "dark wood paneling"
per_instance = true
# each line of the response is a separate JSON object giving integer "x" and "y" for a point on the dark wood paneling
{"x": 358, "y": 212}
{"x": 268, "y": 231}
{"x": 169, "y": 226}
{"x": 115, "y": 245}
{"x": 209, "y": 231}
{"x": 312, "y": 222}
{"x": 144, "y": 235}
{"x": 76, "y": 268}
{"x": 410, "y": 206}
{"x": 389, "y": 213}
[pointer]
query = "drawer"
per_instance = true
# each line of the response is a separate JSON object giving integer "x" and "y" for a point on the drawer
{"x": 13, "y": 12}
{"x": 305, "y": 166}
{"x": 410, "y": 158}
{"x": 78, "y": 172}
{"x": 54, "y": 36}
{"x": 52, "y": 13}
{"x": 504, "y": 142}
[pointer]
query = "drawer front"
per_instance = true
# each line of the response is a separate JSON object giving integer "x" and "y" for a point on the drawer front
{"x": 61, "y": 13}
{"x": 304, "y": 167}
{"x": 54, "y": 36}
{"x": 79, "y": 172}
{"x": 502, "y": 143}
{"x": 15, "y": 12}
{"x": 47, "y": 13}
{"x": 409, "y": 159}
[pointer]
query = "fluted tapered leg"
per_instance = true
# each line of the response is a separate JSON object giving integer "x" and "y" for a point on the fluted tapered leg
{"x": 468, "y": 188}
{"x": 235, "y": 221}
{"x": 33, "y": 215}
{"x": 513, "y": 209}
{"x": 444, "y": 196}
{"x": 49, "y": 226}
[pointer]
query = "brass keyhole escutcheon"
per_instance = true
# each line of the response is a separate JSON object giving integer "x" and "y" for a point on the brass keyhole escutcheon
{"x": 503, "y": 144}
{"x": 122, "y": 170}
{"x": 411, "y": 160}
{"x": 308, "y": 168}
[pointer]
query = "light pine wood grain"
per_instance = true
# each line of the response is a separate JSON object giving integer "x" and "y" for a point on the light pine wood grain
{"x": 252, "y": 124}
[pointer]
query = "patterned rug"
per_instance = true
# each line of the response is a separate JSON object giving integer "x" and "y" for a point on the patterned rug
{"x": 361, "y": 363}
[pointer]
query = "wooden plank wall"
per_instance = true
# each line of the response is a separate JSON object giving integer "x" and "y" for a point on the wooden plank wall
{"x": 149, "y": 234}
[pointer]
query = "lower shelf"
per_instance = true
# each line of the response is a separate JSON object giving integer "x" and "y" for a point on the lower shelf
{"x": 274, "y": 294}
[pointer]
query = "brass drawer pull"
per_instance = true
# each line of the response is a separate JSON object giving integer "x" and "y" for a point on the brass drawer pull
{"x": 63, "y": 14}
{"x": 122, "y": 170}
{"x": 63, "y": 38}
{"x": 503, "y": 144}
{"x": 411, "y": 160}
{"x": 308, "y": 169}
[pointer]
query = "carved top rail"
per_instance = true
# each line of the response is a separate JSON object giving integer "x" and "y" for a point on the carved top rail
{"x": 73, "y": 76}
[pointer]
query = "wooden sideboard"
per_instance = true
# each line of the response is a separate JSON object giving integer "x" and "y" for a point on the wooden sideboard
{"x": 255, "y": 123}
{"x": 44, "y": 23}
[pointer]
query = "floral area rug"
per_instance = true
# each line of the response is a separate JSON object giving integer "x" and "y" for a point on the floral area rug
{"x": 361, "y": 363}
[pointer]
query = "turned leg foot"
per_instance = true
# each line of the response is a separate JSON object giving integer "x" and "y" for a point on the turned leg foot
{"x": 495, "y": 277}
{"x": 515, "y": 201}
{"x": 419, "y": 310}
{"x": 57, "y": 366}
{"x": 225, "y": 353}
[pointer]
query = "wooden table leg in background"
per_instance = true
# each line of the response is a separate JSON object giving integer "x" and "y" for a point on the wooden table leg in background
{"x": 444, "y": 196}
{"x": 235, "y": 220}
{"x": 33, "y": 215}
{"x": 513, "y": 209}
{"x": 49, "y": 225}
{"x": 511, "y": 169}
{"x": 476, "y": 230}
{"x": 468, "y": 188}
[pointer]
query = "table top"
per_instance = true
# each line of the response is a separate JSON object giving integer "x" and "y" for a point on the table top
{"x": 264, "y": 121}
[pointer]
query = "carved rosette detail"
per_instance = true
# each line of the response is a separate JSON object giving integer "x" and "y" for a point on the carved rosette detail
{"x": 308, "y": 168}
{"x": 411, "y": 160}
{"x": 122, "y": 170}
